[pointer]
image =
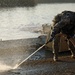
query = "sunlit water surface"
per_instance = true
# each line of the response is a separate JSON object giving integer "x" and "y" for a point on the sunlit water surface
{"x": 20, "y": 22}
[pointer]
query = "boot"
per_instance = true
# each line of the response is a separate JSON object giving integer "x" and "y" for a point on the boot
{"x": 72, "y": 56}
{"x": 55, "y": 58}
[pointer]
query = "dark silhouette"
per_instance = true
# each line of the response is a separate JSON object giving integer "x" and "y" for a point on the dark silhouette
{"x": 64, "y": 25}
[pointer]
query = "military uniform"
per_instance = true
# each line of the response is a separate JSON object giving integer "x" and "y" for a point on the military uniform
{"x": 63, "y": 23}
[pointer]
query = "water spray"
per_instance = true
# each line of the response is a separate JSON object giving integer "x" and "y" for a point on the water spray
{"x": 17, "y": 65}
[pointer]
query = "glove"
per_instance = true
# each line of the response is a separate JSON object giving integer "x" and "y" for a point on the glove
{"x": 51, "y": 39}
{"x": 47, "y": 42}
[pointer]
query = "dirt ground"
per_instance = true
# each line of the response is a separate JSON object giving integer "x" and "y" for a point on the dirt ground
{"x": 46, "y": 66}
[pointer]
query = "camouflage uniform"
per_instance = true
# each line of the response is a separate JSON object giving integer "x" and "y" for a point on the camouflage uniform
{"x": 63, "y": 23}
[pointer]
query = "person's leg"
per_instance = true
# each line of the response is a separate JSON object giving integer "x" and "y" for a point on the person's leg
{"x": 72, "y": 49}
{"x": 56, "y": 42}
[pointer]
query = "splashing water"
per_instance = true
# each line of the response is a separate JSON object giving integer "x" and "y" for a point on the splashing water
{"x": 15, "y": 66}
{"x": 4, "y": 67}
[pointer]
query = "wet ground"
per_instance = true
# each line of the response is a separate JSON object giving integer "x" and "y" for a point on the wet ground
{"x": 46, "y": 66}
{"x": 12, "y": 52}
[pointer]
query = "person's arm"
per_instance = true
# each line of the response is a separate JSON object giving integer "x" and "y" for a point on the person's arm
{"x": 56, "y": 30}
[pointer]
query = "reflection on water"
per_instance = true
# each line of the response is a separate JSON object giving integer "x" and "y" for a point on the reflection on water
{"x": 13, "y": 20}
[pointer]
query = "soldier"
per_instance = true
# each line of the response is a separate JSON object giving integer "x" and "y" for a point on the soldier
{"x": 64, "y": 24}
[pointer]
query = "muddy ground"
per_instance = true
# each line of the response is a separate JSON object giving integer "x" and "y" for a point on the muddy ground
{"x": 46, "y": 66}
